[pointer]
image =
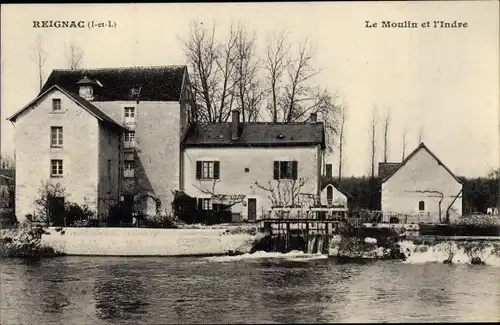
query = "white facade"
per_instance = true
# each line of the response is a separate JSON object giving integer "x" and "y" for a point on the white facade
{"x": 241, "y": 168}
{"x": 80, "y": 168}
{"x": 331, "y": 196}
{"x": 423, "y": 188}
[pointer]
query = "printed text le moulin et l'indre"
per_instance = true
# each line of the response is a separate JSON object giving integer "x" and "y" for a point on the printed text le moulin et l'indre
{"x": 413, "y": 24}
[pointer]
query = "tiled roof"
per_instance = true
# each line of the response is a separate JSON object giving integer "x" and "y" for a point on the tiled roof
{"x": 422, "y": 146}
{"x": 92, "y": 109}
{"x": 386, "y": 168}
{"x": 255, "y": 134}
{"x": 100, "y": 115}
{"x": 157, "y": 83}
{"x": 324, "y": 181}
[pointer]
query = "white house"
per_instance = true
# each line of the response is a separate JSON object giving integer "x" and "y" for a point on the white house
{"x": 421, "y": 187}
{"x": 331, "y": 196}
{"x": 253, "y": 166}
{"x": 106, "y": 135}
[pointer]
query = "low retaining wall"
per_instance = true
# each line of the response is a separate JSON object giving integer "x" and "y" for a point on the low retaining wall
{"x": 146, "y": 242}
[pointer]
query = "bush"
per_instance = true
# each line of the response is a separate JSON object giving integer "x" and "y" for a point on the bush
{"x": 185, "y": 209}
{"x": 21, "y": 241}
{"x": 483, "y": 220}
{"x": 157, "y": 221}
{"x": 75, "y": 213}
{"x": 115, "y": 215}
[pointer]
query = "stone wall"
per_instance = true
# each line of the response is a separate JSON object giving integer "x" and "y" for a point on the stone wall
{"x": 146, "y": 242}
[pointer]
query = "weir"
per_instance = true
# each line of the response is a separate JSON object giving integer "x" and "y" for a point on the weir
{"x": 310, "y": 235}
{"x": 312, "y": 231}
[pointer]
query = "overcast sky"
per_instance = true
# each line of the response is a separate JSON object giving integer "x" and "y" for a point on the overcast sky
{"x": 443, "y": 80}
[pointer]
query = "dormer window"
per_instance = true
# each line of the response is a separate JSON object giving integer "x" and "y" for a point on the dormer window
{"x": 86, "y": 88}
{"x": 86, "y": 92}
{"x": 135, "y": 92}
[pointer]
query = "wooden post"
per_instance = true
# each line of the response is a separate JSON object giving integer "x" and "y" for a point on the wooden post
{"x": 307, "y": 235}
{"x": 287, "y": 236}
{"x": 326, "y": 243}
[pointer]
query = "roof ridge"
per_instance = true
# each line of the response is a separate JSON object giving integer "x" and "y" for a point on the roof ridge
{"x": 263, "y": 123}
{"x": 126, "y": 67}
{"x": 421, "y": 146}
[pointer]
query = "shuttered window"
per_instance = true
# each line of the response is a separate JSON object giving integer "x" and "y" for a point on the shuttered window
{"x": 285, "y": 169}
{"x": 207, "y": 170}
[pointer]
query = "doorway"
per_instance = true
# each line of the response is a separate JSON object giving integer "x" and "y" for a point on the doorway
{"x": 252, "y": 209}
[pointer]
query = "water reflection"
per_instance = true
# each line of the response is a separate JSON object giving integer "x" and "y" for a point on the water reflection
{"x": 119, "y": 294}
{"x": 102, "y": 291}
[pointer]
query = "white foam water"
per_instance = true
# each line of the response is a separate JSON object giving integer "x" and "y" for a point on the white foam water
{"x": 417, "y": 254}
{"x": 292, "y": 255}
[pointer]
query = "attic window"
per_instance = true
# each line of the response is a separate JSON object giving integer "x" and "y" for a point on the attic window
{"x": 86, "y": 88}
{"x": 86, "y": 91}
{"x": 281, "y": 136}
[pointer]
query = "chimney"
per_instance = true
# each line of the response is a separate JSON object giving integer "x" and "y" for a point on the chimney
{"x": 313, "y": 118}
{"x": 235, "y": 124}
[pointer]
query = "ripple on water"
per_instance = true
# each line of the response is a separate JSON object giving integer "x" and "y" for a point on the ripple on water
{"x": 268, "y": 289}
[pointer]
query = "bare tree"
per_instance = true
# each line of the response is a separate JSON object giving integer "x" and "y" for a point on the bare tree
{"x": 228, "y": 75}
{"x": 373, "y": 128}
{"x": 249, "y": 93}
{"x": 74, "y": 56}
{"x": 343, "y": 118}
{"x": 276, "y": 63}
{"x": 284, "y": 192}
{"x": 229, "y": 199}
{"x": 420, "y": 134}
{"x": 289, "y": 81}
{"x": 213, "y": 68}
{"x": 386, "y": 132}
{"x": 404, "y": 144}
{"x": 39, "y": 56}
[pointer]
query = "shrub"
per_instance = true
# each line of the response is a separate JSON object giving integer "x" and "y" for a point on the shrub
{"x": 75, "y": 213}
{"x": 184, "y": 208}
{"x": 115, "y": 215}
{"x": 21, "y": 241}
{"x": 158, "y": 221}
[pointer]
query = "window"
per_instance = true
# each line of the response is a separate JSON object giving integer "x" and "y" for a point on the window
{"x": 129, "y": 114}
{"x": 56, "y": 136}
{"x": 204, "y": 204}
{"x": 421, "y": 206}
{"x": 86, "y": 92}
{"x": 329, "y": 195}
{"x": 129, "y": 139}
{"x": 207, "y": 170}
{"x": 128, "y": 168}
{"x": 285, "y": 170}
{"x": 56, "y": 168}
{"x": 56, "y": 104}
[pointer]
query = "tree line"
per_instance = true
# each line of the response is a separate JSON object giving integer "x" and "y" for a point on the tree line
{"x": 274, "y": 85}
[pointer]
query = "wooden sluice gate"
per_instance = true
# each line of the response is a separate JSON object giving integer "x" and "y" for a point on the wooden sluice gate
{"x": 310, "y": 232}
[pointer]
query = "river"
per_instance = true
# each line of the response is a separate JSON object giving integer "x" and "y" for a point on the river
{"x": 273, "y": 288}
